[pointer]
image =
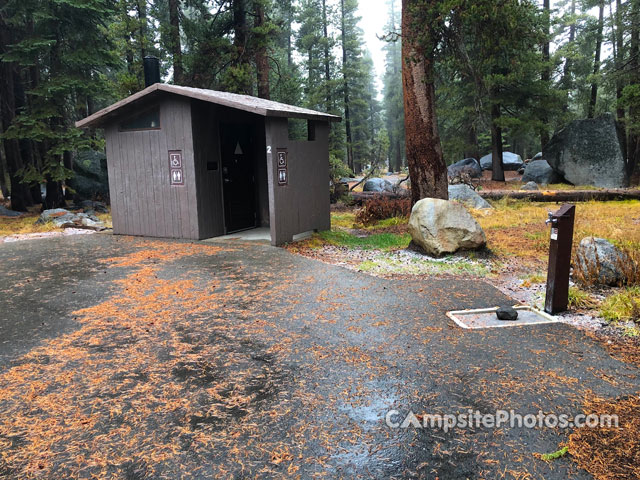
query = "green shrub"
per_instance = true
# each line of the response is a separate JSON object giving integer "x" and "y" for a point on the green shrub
{"x": 622, "y": 306}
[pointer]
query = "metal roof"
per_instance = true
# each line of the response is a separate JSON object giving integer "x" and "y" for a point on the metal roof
{"x": 258, "y": 106}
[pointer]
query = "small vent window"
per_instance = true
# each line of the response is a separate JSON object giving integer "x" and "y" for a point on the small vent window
{"x": 301, "y": 130}
{"x": 149, "y": 120}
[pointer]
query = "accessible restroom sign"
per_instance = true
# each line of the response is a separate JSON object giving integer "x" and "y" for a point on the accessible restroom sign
{"x": 176, "y": 171}
{"x": 283, "y": 169}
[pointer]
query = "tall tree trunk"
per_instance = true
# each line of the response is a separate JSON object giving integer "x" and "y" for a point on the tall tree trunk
{"x": 546, "y": 72}
{"x": 241, "y": 36}
{"x": 19, "y": 191}
{"x": 395, "y": 120}
{"x": 427, "y": 169}
{"x": 4, "y": 188}
{"x": 398, "y": 156}
{"x": 262, "y": 62}
{"x": 619, "y": 57}
{"x": 497, "y": 166}
{"x": 472, "y": 150}
{"x": 141, "y": 7}
{"x": 327, "y": 69}
{"x": 24, "y": 144}
{"x": 596, "y": 63}
{"x": 347, "y": 101}
{"x": 288, "y": 28}
{"x": 633, "y": 144}
{"x": 124, "y": 16}
{"x": 567, "y": 82}
{"x": 54, "y": 197}
{"x": 176, "y": 46}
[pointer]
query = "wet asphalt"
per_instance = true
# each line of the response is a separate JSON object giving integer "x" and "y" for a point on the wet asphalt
{"x": 312, "y": 356}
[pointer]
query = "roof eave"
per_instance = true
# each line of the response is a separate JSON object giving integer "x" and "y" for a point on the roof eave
{"x": 99, "y": 118}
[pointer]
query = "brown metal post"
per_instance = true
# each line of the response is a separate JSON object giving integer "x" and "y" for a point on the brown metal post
{"x": 559, "y": 259}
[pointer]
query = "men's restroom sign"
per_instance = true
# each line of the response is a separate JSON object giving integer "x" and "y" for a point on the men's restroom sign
{"x": 283, "y": 170}
{"x": 176, "y": 172}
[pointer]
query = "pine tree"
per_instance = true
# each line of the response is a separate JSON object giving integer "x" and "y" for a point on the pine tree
{"x": 420, "y": 35}
{"x": 70, "y": 41}
{"x": 393, "y": 107}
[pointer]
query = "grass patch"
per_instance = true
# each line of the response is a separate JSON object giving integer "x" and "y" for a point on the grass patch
{"x": 379, "y": 241}
{"x": 388, "y": 263}
{"x": 516, "y": 227}
{"x": 547, "y": 457}
{"x": 23, "y": 225}
{"x": 343, "y": 219}
{"x": 623, "y": 306}
{"x": 367, "y": 266}
{"x": 390, "y": 222}
{"x": 580, "y": 299}
{"x": 533, "y": 279}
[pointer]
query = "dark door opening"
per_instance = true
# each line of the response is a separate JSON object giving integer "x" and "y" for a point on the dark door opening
{"x": 238, "y": 189}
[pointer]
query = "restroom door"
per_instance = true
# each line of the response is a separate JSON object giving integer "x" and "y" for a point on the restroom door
{"x": 238, "y": 177}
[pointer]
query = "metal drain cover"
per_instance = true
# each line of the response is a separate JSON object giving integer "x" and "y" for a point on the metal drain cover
{"x": 486, "y": 317}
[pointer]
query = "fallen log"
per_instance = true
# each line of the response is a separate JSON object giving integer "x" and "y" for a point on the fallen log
{"x": 360, "y": 197}
{"x": 562, "y": 195}
{"x": 534, "y": 196}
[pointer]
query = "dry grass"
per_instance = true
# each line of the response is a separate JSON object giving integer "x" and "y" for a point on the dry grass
{"x": 517, "y": 228}
{"x": 24, "y": 224}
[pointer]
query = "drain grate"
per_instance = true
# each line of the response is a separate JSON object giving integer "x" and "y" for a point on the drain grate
{"x": 486, "y": 318}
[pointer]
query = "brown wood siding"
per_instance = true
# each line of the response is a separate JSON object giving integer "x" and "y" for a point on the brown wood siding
{"x": 142, "y": 200}
{"x": 303, "y": 204}
{"x": 206, "y": 142}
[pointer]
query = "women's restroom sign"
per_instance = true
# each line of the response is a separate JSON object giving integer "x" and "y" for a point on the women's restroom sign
{"x": 283, "y": 170}
{"x": 176, "y": 172}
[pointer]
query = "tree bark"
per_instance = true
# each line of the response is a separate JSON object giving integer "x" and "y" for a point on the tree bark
{"x": 497, "y": 166}
{"x": 427, "y": 168}
{"x": 596, "y": 63}
{"x": 176, "y": 46}
{"x": 347, "y": 102}
{"x": 262, "y": 62}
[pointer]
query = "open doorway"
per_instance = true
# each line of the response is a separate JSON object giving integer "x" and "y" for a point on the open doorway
{"x": 238, "y": 177}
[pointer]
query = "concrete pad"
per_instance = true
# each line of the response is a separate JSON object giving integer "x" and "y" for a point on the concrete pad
{"x": 486, "y": 318}
{"x": 252, "y": 235}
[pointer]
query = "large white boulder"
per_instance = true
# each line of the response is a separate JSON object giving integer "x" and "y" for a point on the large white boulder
{"x": 441, "y": 226}
{"x": 602, "y": 262}
{"x": 510, "y": 161}
{"x": 465, "y": 194}
{"x": 589, "y": 152}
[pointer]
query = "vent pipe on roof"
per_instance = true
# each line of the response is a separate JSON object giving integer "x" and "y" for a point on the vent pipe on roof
{"x": 151, "y": 70}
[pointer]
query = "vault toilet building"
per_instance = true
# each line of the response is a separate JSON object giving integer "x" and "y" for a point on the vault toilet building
{"x": 192, "y": 163}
